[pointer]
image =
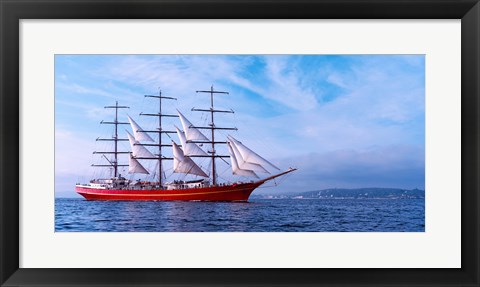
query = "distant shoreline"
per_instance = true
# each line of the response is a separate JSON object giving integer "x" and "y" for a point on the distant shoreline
{"x": 343, "y": 193}
{"x": 332, "y": 198}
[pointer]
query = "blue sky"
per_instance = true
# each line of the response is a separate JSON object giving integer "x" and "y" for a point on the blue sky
{"x": 343, "y": 120}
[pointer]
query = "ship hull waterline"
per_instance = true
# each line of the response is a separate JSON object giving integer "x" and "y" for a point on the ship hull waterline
{"x": 238, "y": 192}
{"x": 230, "y": 192}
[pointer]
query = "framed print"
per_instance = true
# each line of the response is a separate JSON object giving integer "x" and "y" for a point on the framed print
{"x": 361, "y": 118}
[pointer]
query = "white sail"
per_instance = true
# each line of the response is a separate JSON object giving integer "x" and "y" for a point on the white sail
{"x": 184, "y": 164}
{"x": 244, "y": 164}
{"x": 235, "y": 168}
{"x": 248, "y": 155}
{"x": 189, "y": 148}
{"x": 135, "y": 167}
{"x": 138, "y": 150}
{"x": 177, "y": 152}
{"x": 140, "y": 134}
{"x": 191, "y": 133}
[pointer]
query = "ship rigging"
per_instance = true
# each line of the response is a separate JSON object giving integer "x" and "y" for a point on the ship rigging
{"x": 243, "y": 161}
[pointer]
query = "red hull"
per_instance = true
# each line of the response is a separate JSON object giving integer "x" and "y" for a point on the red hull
{"x": 235, "y": 192}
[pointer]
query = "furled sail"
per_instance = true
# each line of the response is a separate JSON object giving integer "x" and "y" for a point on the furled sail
{"x": 244, "y": 164}
{"x": 235, "y": 168}
{"x": 191, "y": 133}
{"x": 140, "y": 134}
{"x": 135, "y": 167}
{"x": 184, "y": 164}
{"x": 138, "y": 150}
{"x": 189, "y": 148}
{"x": 248, "y": 155}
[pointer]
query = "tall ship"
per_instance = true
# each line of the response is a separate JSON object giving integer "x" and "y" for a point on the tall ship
{"x": 205, "y": 186}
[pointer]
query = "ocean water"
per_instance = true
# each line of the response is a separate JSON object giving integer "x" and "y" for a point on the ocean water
{"x": 257, "y": 215}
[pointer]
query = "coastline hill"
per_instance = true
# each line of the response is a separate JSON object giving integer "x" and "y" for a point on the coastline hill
{"x": 357, "y": 193}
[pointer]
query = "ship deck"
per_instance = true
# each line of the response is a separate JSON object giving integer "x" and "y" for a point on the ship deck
{"x": 232, "y": 192}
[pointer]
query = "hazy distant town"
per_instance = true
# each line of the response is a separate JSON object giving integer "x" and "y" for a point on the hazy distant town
{"x": 360, "y": 193}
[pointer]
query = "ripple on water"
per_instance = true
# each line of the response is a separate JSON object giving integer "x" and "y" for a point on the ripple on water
{"x": 258, "y": 215}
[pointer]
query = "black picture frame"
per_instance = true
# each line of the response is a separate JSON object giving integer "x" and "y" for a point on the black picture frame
{"x": 12, "y": 11}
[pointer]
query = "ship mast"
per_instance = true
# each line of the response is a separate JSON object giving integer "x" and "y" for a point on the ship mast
{"x": 160, "y": 131}
{"x": 115, "y": 139}
{"x": 212, "y": 128}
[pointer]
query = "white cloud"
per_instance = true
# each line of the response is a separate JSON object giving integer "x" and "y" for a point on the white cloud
{"x": 337, "y": 79}
{"x": 180, "y": 75}
{"x": 72, "y": 152}
{"x": 79, "y": 89}
{"x": 285, "y": 86}
{"x": 398, "y": 166}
